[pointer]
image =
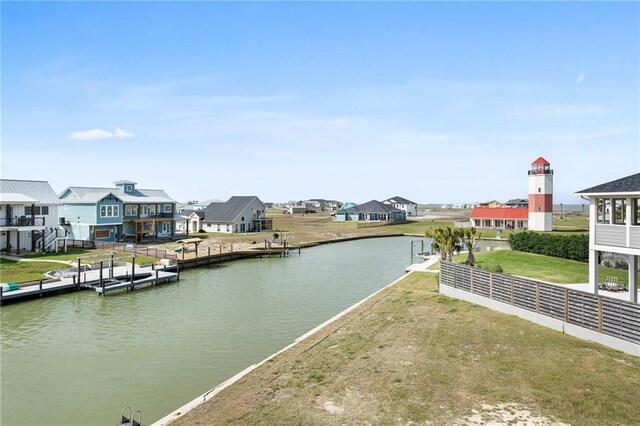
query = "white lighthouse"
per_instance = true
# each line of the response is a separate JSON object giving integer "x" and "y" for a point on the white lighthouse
{"x": 541, "y": 196}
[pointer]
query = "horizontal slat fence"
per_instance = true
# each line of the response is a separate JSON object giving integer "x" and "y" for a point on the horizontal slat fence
{"x": 605, "y": 315}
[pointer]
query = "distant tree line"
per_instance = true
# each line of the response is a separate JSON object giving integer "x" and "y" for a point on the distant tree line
{"x": 574, "y": 247}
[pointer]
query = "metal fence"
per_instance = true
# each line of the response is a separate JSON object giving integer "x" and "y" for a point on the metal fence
{"x": 603, "y": 314}
{"x": 125, "y": 247}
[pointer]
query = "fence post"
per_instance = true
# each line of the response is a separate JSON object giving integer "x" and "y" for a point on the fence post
{"x": 209, "y": 251}
{"x": 513, "y": 285}
{"x": 566, "y": 305}
{"x": 78, "y": 270}
{"x": 455, "y": 276}
{"x": 599, "y": 314}
{"x": 490, "y": 285}
{"x": 538, "y": 297}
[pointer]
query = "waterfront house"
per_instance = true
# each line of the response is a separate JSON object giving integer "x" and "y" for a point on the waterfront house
{"x": 372, "y": 211}
{"x": 410, "y": 207}
{"x": 120, "y": 213}
{"x": 614, "y": 225}
{"x": 28, "y": 216}
{"x": 238, "y": 214}
{"x": 491, "y": 204}
{"x": 188, "y": 221}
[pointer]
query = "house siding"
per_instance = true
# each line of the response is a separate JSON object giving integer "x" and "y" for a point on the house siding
{"x": 634, "y": 237}
{"x": 611, "y": 235}
{"x": 109, "y": 201}
{"x": 74, "y": 213}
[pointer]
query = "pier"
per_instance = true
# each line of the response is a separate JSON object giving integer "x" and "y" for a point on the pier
{"x": 103, "y": 280}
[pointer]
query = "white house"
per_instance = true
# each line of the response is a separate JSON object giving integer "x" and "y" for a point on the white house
{"x": 614, "y": 225}
{"x": 28, "y": 216}
{"x": 408, "y": 206}
{"x": 238, "y": 214}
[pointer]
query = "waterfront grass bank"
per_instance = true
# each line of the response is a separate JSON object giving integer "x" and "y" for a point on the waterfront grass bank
{"x": 409, "y": 354}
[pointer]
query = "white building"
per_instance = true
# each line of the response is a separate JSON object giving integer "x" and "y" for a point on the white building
{"x": 238, "y": 214}
{"x": 407, "y": 206}
{"x": 28, "y": 216}
{"x": 614, "y": 226}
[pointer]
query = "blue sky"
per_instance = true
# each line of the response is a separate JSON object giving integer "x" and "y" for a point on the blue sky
{"x": 434, "y": 101}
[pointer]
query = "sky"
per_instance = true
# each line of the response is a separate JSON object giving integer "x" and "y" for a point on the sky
{"x": 438, "y": 102}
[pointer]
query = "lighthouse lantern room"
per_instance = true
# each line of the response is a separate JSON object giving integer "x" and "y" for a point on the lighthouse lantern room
{"x": 541, "y": 196}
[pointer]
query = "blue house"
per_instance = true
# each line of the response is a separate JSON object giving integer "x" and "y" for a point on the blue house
{"x": 116, "y": 214}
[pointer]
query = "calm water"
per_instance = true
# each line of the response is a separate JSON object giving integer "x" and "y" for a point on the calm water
{"x": 79, "y": 359}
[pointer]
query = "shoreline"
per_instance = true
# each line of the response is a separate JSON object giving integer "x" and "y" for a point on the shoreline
{"x": 210, "y": 394}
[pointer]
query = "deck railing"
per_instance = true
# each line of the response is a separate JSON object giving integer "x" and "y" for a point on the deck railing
{"x": 598, "y": 313}
{"x": 22, "y": 221}
{"x": 125, "y": 247}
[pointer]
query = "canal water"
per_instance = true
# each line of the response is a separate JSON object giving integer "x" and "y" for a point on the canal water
{"x": 78, "y": 359}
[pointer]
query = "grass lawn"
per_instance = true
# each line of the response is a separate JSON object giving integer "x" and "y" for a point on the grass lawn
{"x": 14, "y": 271}
{"x": 413, "y": 356}
{"x": 536, "y": 266}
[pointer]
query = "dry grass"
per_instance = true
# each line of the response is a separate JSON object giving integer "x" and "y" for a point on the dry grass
{"x": 412, "y": 356}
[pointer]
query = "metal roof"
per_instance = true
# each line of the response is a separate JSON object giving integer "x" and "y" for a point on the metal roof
{"x": 628, "y": 184}
{"x": 229, "y": 210}
{"x": 373, "y": 206}
{"x": 34, "y": 189}
{"x": 93, "y": 195}
{"x": 521, "y": 213}
{"x": 542, "y": 161}
{"x": 398, "y": 200}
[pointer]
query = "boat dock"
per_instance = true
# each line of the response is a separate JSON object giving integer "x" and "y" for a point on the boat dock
{"x": 103, "y": 281}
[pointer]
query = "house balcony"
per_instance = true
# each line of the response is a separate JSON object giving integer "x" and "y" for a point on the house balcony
{"x": 22, "y": 221}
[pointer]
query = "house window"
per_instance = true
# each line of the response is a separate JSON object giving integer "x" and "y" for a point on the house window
{"x": 45, "y": 210}
{"x": 604, "y": 210}
{"x": 218, "y": 227}
{"x": 167, "y": 208}
{"x": 539, "y": 190}
{"x": 102, "y": 233}
{"x": 166, "y": 227}
{"x": 129, "y": 188}
{"x": 636, "y": 211}
{"x": 620, "y": 211}
{"x": 109, "y": 210}
{"x": 131, "y": 210}
{"x": 152, "y": 210}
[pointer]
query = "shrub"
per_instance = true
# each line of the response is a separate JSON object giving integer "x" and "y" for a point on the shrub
{"x": 498, "y": 268}
{"x": 574, "y": 247}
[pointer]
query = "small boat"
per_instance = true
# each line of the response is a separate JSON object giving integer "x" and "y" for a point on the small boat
{"x": 10, "y": 286}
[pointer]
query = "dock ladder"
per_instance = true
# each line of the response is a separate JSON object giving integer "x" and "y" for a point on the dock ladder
{"x": 130, "y": 419}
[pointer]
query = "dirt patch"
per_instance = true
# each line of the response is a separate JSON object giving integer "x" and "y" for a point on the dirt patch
{"x": 506, "y": 414}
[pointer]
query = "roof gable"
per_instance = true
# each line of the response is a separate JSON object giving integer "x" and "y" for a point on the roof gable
{"x": 398, "y": 200}
{"x": 229, "y": 210}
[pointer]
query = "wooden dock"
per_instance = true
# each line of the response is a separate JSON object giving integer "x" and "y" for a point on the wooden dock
{"x": 98, "y": 280}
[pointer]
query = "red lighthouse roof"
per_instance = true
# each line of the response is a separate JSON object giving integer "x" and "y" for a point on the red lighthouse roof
{"x": 541, "y": 161}
{"x": 500, "y": 213}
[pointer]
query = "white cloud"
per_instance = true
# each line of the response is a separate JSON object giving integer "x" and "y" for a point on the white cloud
{"x": 580, "y": 77}
{"x": 123, "y": 134}
{"x": 97, "y": 134}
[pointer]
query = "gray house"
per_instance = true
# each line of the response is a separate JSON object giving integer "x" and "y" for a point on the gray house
{"x": 238, "y": 214}
{"x": 373, "y": 210}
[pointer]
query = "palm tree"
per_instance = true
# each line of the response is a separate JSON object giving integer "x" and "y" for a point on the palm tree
{"x": 446, "y": 241}
{"x": 469, "y": 238}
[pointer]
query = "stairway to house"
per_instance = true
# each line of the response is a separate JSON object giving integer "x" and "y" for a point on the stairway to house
{"x": 49, "y": 241}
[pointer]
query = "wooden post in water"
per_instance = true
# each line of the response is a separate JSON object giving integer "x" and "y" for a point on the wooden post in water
{"x": 111, "y": 265}
{"x": 40, "y": 285}
{"x": 78, "y": 270}
{"x": 133, "y": 269}
{"x": 0, "y": 295}
{"x": 101, "y": 281}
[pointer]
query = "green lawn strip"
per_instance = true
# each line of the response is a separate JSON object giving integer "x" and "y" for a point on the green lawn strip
{"x": 418, "y": 357}
{"x": 14, "y": 271}
{"x": 536, "y": 266}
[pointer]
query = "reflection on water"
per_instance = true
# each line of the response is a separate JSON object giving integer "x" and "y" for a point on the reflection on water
{"x": 79, "y": 359}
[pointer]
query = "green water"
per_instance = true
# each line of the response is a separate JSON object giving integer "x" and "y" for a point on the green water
{"x": 78, "y": 359}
